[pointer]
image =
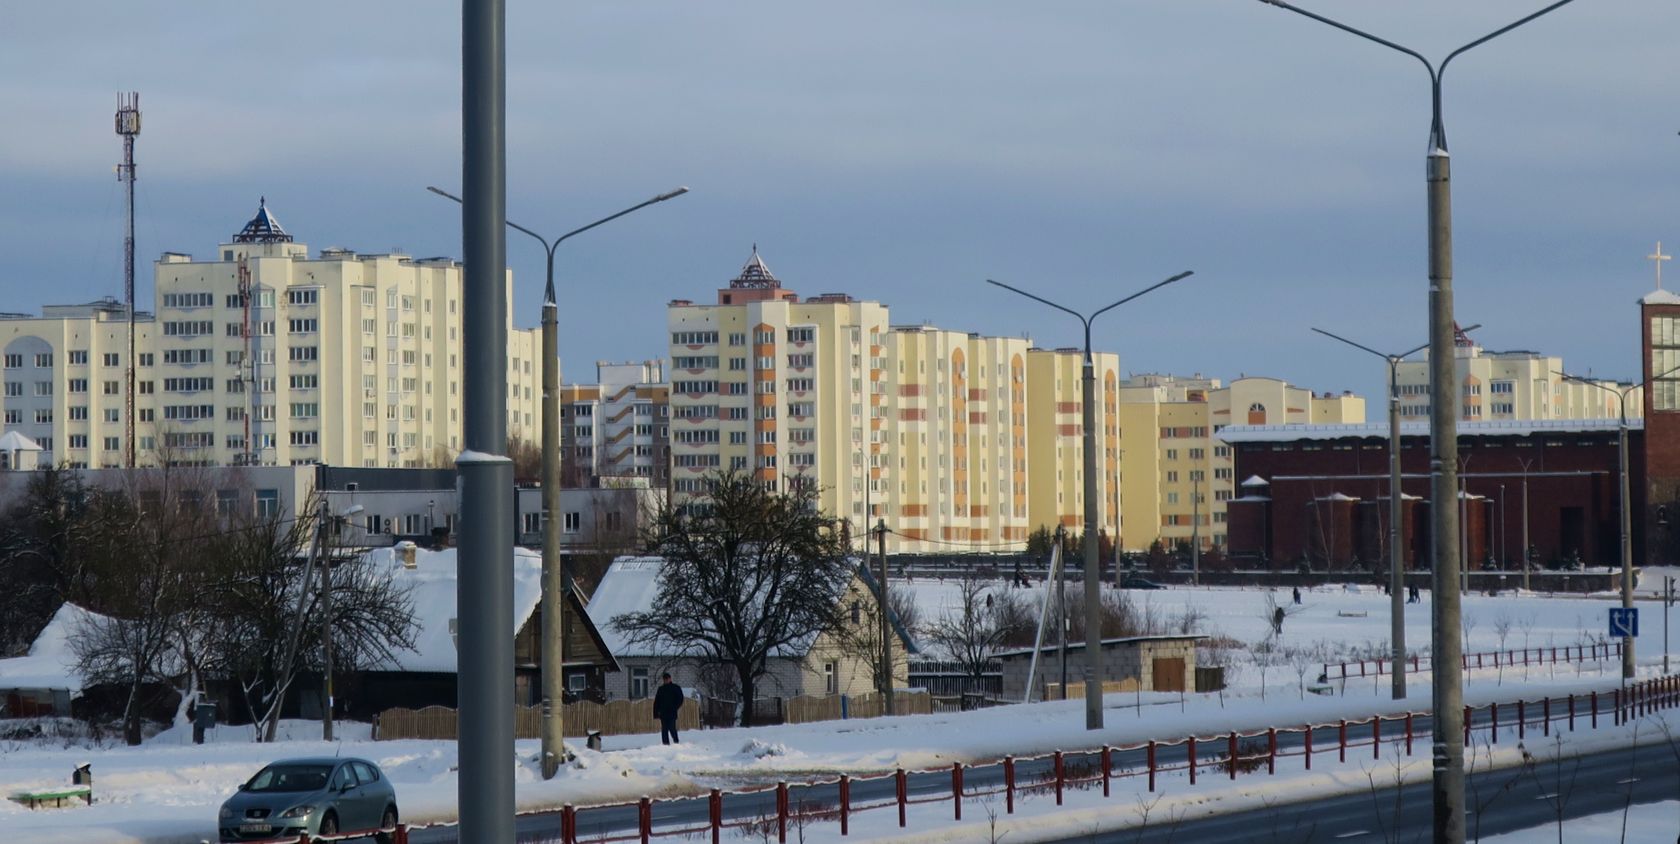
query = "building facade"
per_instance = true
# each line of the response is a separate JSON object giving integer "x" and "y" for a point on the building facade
{"x": 618, "y": 426}
{"x": 1509, "y": 386}
{"x": 958, "y": 441}
{"x": 261, "y": 356}
{"x": 1176, "y": 473}
{"x": 1659, "y": 316}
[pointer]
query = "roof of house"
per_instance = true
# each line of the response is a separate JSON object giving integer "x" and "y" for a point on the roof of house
{"x": 50, "y": 663}
{"x": 1118, "y": 640}
{"x": 14, "y": 441}
{"x": 631, "y": 585}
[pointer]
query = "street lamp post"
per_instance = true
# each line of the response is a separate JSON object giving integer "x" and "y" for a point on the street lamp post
{"x": 1623, "y": 505}
{"x": 1525, "y": 463}
{"x": 1448, "y": 689}
{"x": 1093, "y": 581}
{"x": 1396, "y": 556}
{"x": 553, "y": 580}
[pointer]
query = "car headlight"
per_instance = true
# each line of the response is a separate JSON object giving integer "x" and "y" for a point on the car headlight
{"x": 226, "y": 813}
{"x": 298, "y": 812}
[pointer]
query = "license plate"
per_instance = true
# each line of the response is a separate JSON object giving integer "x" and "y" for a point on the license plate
{"x": 255, "y": 828}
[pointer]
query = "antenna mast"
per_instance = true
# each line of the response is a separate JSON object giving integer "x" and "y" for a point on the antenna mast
{"x": 128, "y": 126}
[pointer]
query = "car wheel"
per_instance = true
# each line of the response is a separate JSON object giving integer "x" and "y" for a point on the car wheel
{"x": 329, "y": 824}
{"x": 387, "y": 822}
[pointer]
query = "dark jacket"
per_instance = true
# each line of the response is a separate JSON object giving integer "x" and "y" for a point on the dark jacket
{"x": 668, "y": 701}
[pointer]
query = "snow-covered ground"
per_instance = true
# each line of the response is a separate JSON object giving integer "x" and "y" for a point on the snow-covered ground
{"x": 168, "y": 789}
{"x": 1647, "y": 822}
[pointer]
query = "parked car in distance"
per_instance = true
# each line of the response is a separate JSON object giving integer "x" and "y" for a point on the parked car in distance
{"x": 1132, "y": 581}
{"x": 311, "y": 796}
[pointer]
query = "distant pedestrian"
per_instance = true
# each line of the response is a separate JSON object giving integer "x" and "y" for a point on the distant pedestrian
{"x": 1415, "y": 597}
{"x": 667, "y": 704}
{"x": 1297, "y": 594}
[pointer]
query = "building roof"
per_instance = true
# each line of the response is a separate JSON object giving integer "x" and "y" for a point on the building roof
{"x": 1118, "y": 640}
{"x": 263, "y": 228}
{"x": 1660, "y": 297}
{"x": 50, "y": 663}
{"x": 1379, "y": 430}
{"x": 754, "y": 274}
{"x": 631, "y": 585}
{"x": 14, "y": 441}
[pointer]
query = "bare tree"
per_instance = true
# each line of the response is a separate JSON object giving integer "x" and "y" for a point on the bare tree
{"x": 1502, "y": 629}
{"x": 858, "y": 635}
{"x": 976, "y": 627}
{"x": 747, "y": 573}
{"x": 56, "y": 544}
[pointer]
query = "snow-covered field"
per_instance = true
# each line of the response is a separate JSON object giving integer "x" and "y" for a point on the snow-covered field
{"x": 168, "y": 789}
{"x": 1647, "y": 822}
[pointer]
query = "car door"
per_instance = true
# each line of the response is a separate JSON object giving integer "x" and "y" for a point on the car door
{"x": 347, "y": 797}
{"x": 373, "y": 792}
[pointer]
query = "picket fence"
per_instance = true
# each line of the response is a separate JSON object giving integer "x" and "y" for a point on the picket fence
{"x": 1413, "y": 664}
{"x": 613, "y": 718}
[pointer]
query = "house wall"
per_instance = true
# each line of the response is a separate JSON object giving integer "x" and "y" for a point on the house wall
{"x": 1120, "y": 661}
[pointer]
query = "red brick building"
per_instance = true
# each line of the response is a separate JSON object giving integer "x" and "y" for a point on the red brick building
{"x": 1657, "y": 524}
{"x": 1320, "y": 492}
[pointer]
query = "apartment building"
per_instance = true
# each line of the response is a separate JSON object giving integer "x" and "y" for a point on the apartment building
{"x": 261, "y": 355}
{"x": 931, "y": 430}
{"x": 1176, "y": 474}
{"x": 1511, "y": 385}
{"x": 617, "y": 426}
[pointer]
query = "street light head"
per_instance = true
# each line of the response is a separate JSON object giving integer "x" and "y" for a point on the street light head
{"x": 672, "y": 195}
{"x": 354, "y": 509}
{"x": 443, "y": 193}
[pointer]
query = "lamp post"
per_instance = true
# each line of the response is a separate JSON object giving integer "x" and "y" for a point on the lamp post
{"x": 1525, "y": 462}
{"x": 553, "y": 681}
{"x": 1093, "y": 581}
{"x": 1396, "y": 556}
{"x": 1448, "y": 695}
{"x": 1623, "y": 506}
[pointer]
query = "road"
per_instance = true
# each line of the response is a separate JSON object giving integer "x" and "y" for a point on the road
{"x": 693, "y": 811}
{"x": 1499, "y": 801}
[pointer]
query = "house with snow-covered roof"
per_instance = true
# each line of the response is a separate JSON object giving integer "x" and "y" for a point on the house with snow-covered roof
{"x": 817, "y": 666}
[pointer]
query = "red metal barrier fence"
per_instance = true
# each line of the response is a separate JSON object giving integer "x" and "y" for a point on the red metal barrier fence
{"x": 1563, "y": 654}
{"x": 1238, "y": 752}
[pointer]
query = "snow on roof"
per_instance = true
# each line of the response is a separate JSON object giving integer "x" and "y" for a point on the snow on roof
{"x": 432, "y": 584}
{"x": 1256, "y": 480}
{"x": 50, "y": 663}
{"x": 631, "y": 585}
{"x": 1661, "y": 297}
{"x": 14, "y": 441}
{"x": 1379, "y": 430}
{"x": 1337, "y": 496}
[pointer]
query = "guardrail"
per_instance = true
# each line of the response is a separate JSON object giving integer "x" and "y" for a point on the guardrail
{"x": 1485, "y": 659}
{"x": 1197, "y": 756}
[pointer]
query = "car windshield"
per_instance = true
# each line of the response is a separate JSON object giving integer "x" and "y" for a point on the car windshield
{"x": 290, "y": 778}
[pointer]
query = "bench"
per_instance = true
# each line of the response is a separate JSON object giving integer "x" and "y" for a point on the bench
{"x": 37, "y": 799}
{"x": 1322, "y": 689}
{"x": 1352, "y": 614}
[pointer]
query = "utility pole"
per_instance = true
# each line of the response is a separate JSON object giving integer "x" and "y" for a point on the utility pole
{"x": 886, "y": 623}
{"x": 324, "y": 557}
{"x": 1525, "y": 463}
{"x": 1195, "y": 528}
{"x": 1668, "y": 604}
{"x": 1061, "y": 615}
{"x": 128, "y": 127}
{"x": 1447, "y": 699}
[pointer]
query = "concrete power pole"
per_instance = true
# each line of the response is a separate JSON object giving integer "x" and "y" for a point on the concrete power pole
{"x": 128, "y": 126}
{"x": 324, "y": 557}
{"x": 553, "y": 577}
{"x": 886, "y": 623}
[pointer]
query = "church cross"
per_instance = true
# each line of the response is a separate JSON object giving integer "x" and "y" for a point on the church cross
{"x": 1657, "y": 258}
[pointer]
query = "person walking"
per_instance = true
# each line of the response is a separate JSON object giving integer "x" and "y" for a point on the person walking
{"x": 667, "y": 704}
{"x": 1297, "y": 594}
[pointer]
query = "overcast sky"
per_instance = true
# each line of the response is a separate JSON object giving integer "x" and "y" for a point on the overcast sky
{"x": 897, "y": 151}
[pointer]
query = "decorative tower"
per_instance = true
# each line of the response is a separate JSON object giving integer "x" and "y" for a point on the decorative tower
{"x": 128, "y": 127}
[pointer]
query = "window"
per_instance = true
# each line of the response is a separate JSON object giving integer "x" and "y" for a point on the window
{"x": 738, "y": 340}
{"x": 14, "y": 388}
{"x": 113, "y": 415}
{"x": 189, "y": 328}
{"x": 78, "y": 440}
{"x": 78, "y": 358}
{"x": 14, "y": 361}
{"x": 146, "y": 359}
{"x": 638, "y": 683}
{"x": 801, "y": 335}
{"x": 764, "y": 338}
{"x": 187, "y": 385}
{"x": 573, "y": 522}
{"x": 831, "y": 679}
{"x": 301, "y": 297}
{"x": 302, "y": 353}
{"x": 693, "y": 338}
{"x": 800, "y": 385}
{"x": 302, "y": 326}
{"x": 305, "y": 410}
{"x": 189, "y": 412}
{"x": 79, "y": 413}
{"x": 113, "y": 444}
{"x": 187, "y": 300}
{"x": 305, "y": 382}
{"x": 694, "y": 362}
{"x": 43, "y": 388}
{"x": 78, "y": 385}
{"x": 43, "y": 417}
{"x": 304, "y": 439}
{"x": 693, "y": 387}
{"x": 112, "y": 359}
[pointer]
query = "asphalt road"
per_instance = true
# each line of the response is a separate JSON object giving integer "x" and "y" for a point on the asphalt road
{"x": 1497, "y": 802}
{"x": 693, "y": 811}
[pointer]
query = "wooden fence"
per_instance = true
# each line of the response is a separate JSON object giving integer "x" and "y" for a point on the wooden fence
{"x": 1076, "y": 691}
{"x": 807, "y": 708}
{"x": 618, "y": 717}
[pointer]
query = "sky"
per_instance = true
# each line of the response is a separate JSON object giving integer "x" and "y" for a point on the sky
{"x": 899, "y": 151}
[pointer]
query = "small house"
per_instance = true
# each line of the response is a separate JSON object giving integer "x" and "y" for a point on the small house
{"x": 1144, "y": 663}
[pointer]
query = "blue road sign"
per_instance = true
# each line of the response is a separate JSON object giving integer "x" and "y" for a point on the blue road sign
{"x": 1624, "y": 622}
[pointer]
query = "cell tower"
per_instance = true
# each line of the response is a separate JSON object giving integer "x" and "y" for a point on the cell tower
{"x": 128, "y": 126}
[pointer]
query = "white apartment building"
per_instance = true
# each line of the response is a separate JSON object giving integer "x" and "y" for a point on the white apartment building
{"x": 1511, "y": 385}
{"x": 264, "y": 356}
{"x": 618, "y": 426}
{"x": 937, "y": 432}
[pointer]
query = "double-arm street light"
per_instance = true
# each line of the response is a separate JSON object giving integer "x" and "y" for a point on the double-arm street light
{"x": 553, "y": 582}
{"x": 1623, "y": 505}
{"x": 1396, "y": 558}
{"x": 1448, "y": 695}
{"x": 1093, "y": 581}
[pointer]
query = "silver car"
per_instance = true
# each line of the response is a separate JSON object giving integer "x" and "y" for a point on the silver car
{"x": 318, "y": 796}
